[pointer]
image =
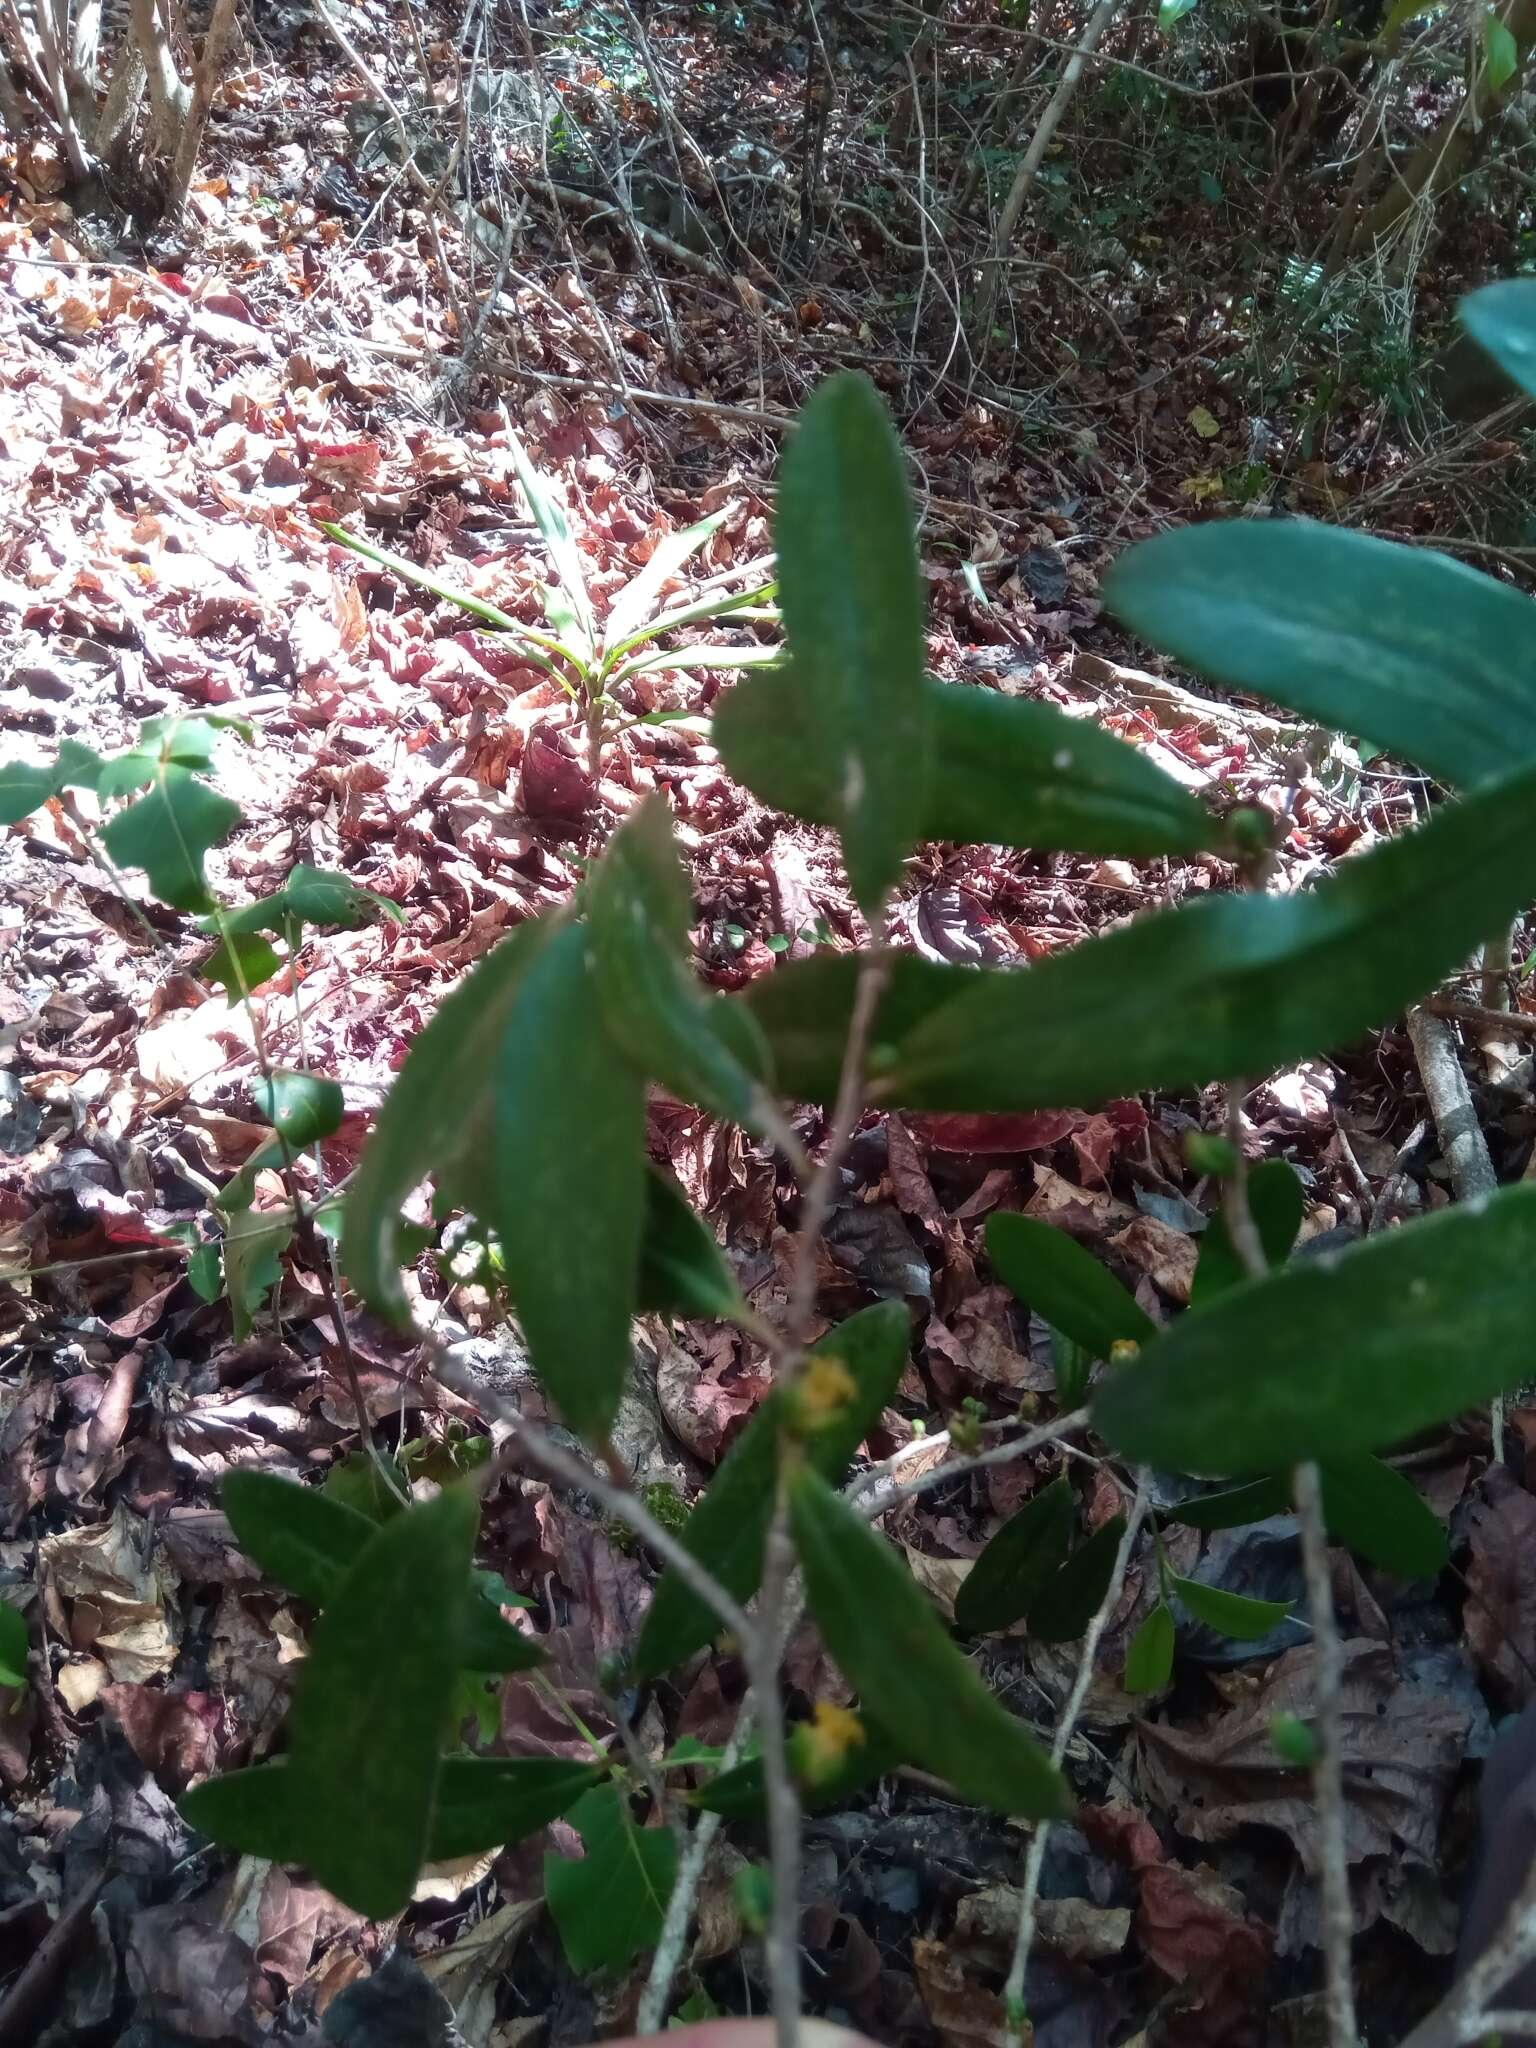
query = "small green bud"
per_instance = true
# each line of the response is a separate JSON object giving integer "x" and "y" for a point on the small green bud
{"x": 1293, "y": 1740}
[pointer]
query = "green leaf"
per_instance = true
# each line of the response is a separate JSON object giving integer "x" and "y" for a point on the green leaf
{"x": 1149, "y": 1660}
{"x": 168, "y": 832}
{"x": 254, "y": 1812}
{"x": 728, "y": 1528}
{"x": 1276, "y": 1202}
{"x": 302, "y": 1109}
{"x": 371, "y": 1702}
{"x": 436, "y": 1113}
{"x": 803, "y": 1010}
{"x": 240, "y": 964}
{"x": 313, "y": 896}
{"x": 633, "y": 606}
{"x": 1342, "y": 1353}
{"x": 13, "y": 1645}
{"x": 889, "y": 1642}
{"x": 1501, "y": 53}
{"x": 1230, "y": 984}
{"x": 610, "y": 1906}
{"x": 1411, "y": 650}
{"x": 1064, "y": 1284}
{"x": 683, "y": 1271}
{"x": 486, "y": 1802}
{"x": 1401, "y": 12}
{"x": 1063, "y": 1608}
{"x": 1015, "y": 1565}
{"x": 1379, "y": 1513}
{"x": 1501, "y": 319}
{"x": 1233, "y": 1507}
{"x": 564, "y": 1185}
{"x": 24, "y": 788}
{"x": 254, "y": 1244}
{"x": 638, "y": 903}
{"x": 1005, "y": 771}
{"x": 205, "y": 1272}
{"x": 1230, "y": 1614}
{"x": 549, "y": 516}
{"x": 739, "y": 1794}
{"x": 303, "y": 1538}
{"x": 376, "y": 1488}
{"x": 852, "y": 598}
{"x": 1171, "y": 12}
{"x": 488, "y": 615}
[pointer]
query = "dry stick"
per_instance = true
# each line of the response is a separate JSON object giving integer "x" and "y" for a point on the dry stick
{"x": 690, "y": 1874}
{"x": 1013, "y": 1990}
{"x": 890, "y": 1495}
{"x": 205, "y": 83}
{"x": 1461, "y": 1136}
{"x": 1478, "y": 1013}
{"x": 1327, "y": 1653}
{"x": 1034, "y": 156}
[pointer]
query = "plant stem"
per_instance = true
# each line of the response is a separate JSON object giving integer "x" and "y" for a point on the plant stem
{"x": 887, "y": 1495}
{"x": 1328, "y": 1771}
{"x": 1066, "y": 1728}
{"x": 1241, "y": 1228}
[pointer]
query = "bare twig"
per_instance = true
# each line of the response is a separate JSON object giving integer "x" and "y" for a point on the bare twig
{"x": 1328, "y": 1771}
{"x": 890, "y": 1493}
{"x": 1518, "y": 1021}
{"x": 1013, "y": 1990}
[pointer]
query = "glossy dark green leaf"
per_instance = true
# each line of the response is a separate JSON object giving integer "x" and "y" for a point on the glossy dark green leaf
{"x": 683, "y": 1271}
{"x": 1501, "y": 319}
{"x": 167, "y": 832}
{"x": 804, "y": 1007}
{"x": 610, "y": 1905}
{"x": 889, "y": 1642}
{"x": 638, "y": 906}
{"x": 13, "y": 1645}
{"x": 729, "y": 1527}
{"x": 371, "y": 1703}
{"x": 1230, "y": 1614}
{"x": 1065, "y": 1285}
{"x": 1420, "y": 654}
{"x": 1341, "y": 1353}
{"x": 1063, "y": 1608}
{"x": 484, "y": 1802}
{"x": 1234, "y": 1507}
{"x": 1276, "y": 1203}
{"x": 1017, "y": 1563}
{"x": 1380, "y": 1514}
{"x": 254, "y": 1244}
{"x": 436, "y": 1113}
{"x": 302, "y": 1109}
{"x": 254, "y": 1812}
{"x": 852, "y": 597}
{"x": 1005, "y": 771}
{"x": 1149, "y": 1660}
{"x": 563, "y": 1184}
{"x": 1230, "y": 984}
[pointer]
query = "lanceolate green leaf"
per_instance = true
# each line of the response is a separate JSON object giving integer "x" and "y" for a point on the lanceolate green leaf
{"x": 13, "y": 1645}
{"x": 1343, "y": 1353}
{"x": 489, "y": 615}
{"x": 1017, "y": 1563}
{"x": 1501, "y": 319}
{"x": 851, "y": 595}
{"x": 683, "y": 1271}
{"x": 1233, "y": 1507}
{"x": 803, "y": 1010}
{"x": 483, "y": 1802}
{"x": 549, "y": 514}
{"x": 1276, "y": 1202}
{"x": 437, "y": 1112}
{"x": 635, "y": 603}
{"x": 1064, "y": 1284}
{"x": 1061, "y": 1611}
{"x": 312, "y": 896}
{"x": 254, "y": 1244}
{"x": 1418, "y": 653}
{"x": 890, "y": 1643}
{"x": 253, "y": 1812}
{"x": 167, "y": 832}
{"x": 729, "y": 1528}
{"x": 1382, "y": 1516}
{"x": 1005, "y": 772}
{"x": 1231, "y": 984}
{"x": 639, "y": 908}
{"x": 564, "y": 1183}
{"x": 1149, "y": 1660}
{"x": 369, "y": 1711}
{"x": 611, "y": 1904}
{"x": 1230, "y": 1614}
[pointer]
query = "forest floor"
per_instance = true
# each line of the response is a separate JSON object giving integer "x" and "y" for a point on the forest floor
{"x": 178, "y": 414}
